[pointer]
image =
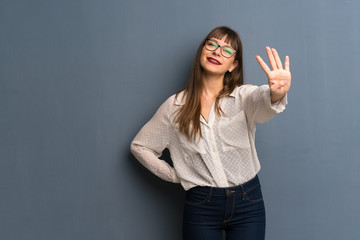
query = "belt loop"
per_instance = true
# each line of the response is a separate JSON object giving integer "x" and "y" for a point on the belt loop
{"x": 210, "y": 193}
{"x": 242, "y": 192}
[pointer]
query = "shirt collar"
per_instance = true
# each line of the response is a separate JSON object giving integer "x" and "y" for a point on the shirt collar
{"x": 181, "y": 101}
{"x": 232, "y": 94}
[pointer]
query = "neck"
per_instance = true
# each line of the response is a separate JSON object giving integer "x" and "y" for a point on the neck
{"x": 212, "y": 84}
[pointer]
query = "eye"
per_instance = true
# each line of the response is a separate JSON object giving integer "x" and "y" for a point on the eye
{"x": 228, "y": 50}
{"x": 212, "y": 43}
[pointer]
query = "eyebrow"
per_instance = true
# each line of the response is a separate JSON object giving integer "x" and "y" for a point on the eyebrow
{"x": 221, "y": 45}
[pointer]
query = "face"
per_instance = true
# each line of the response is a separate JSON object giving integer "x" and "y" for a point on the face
{"x": 213, "y": 62}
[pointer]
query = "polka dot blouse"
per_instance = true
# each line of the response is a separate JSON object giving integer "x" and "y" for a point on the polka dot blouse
{"x": 224, "y": 157}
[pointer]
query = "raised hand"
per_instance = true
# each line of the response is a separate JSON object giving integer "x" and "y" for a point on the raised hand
{"x": 279, "y": 78}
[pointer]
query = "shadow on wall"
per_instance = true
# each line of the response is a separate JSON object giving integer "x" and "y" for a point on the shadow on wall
{"x": 171, "y": 195}
{"x": 174, "y": 192}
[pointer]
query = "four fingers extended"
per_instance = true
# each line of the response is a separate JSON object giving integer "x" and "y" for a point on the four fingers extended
{"x": 274, "y": 59}
{"x": 279, "y": 77}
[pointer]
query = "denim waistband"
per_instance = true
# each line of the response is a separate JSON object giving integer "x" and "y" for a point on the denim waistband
{"x": 228, "y": 190}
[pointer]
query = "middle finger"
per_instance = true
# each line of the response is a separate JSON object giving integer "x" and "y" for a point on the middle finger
{"x": 271, "y": 58}
{"x": 277, "y": 58}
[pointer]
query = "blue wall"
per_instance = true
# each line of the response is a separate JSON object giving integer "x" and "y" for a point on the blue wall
{"x": 78, "y": 79}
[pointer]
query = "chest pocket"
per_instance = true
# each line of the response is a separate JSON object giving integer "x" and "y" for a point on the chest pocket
{"x": 190, "y": 148}
{"x": 233, "y": 132}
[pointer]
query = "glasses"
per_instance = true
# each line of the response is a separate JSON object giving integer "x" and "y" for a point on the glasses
{"x": 226, "y": 51}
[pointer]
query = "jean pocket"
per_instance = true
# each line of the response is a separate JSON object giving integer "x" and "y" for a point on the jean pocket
{"x": 254, "y": 194}
{"x": 233, "y": 132}
{"x": 196, "y": 198}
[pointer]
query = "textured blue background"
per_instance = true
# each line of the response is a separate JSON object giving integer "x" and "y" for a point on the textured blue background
{"x": 78, "y": 79}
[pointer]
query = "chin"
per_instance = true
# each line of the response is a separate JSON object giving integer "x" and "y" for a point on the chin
{"x": 211, "y": 69}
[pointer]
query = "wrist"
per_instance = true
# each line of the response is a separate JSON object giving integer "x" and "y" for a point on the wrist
{"x": 276, "y": 97}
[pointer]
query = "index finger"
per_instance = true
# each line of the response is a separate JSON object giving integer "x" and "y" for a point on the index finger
{"x": 287, "y": 63}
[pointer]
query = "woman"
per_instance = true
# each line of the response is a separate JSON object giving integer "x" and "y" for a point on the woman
{"x": 209, "y": 129}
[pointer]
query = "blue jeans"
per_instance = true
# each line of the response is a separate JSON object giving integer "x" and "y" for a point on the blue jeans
{"x": 239, "y": 211}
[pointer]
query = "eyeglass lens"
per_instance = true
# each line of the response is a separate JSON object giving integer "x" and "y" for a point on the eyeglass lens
{"x": 225, "y": 51}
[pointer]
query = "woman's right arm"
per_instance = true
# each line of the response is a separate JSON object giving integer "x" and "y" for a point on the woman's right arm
{"x": 151, "y": 140}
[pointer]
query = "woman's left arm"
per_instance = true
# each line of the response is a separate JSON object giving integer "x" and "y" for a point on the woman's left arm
{"x": 279, "y": 79}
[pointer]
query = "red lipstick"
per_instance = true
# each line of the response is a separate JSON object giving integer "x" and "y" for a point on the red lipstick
{"x": 213, "y": 61}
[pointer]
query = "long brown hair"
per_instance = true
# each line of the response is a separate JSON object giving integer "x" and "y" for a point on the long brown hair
{"x": 188, "y": 116}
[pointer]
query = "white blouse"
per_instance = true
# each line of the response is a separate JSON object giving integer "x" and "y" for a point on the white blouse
{"x": 224, "y": 157}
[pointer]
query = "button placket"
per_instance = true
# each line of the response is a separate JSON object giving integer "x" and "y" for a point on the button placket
{"x": 215, "y": 166}
{"x": 217, "y": 161}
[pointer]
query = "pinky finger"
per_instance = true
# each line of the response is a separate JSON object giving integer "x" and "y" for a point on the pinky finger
{"x": 287, "y": 63}
{"x": 263, "y": 65}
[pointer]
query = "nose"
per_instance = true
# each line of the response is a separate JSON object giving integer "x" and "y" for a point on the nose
{"x": 217, "y": 51}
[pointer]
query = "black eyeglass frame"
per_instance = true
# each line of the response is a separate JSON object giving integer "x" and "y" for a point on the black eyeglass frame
{"x": 221, "y": 48}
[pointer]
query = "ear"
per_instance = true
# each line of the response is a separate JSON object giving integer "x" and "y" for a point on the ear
{"x": 233, "y": 65}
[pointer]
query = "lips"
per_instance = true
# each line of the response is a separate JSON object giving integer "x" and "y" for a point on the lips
{"x": 213, "y": 61}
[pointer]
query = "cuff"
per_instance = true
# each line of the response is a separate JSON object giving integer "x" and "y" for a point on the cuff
{"x": 175, "y": 178}
{"x": 278, "y": 106}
